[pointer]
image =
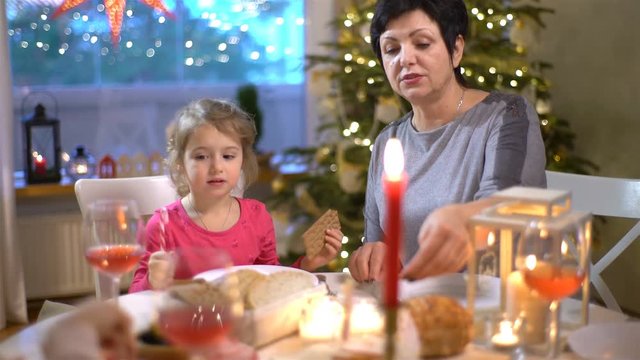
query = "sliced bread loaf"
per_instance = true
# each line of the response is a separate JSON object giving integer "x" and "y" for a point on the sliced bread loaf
{"x": 278, "y": 286}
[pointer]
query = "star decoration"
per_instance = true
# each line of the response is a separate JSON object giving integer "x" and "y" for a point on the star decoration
{"x": 114, "y": 10}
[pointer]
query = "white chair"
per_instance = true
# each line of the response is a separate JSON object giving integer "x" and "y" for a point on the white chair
{"x": 150, "y": 192}
{"x": 603, "y": 196}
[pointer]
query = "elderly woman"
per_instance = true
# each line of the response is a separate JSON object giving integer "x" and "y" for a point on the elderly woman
{"x": 460, "y": 144}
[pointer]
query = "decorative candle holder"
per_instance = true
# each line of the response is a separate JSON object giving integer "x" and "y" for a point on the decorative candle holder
{"x": 495, "y": 235}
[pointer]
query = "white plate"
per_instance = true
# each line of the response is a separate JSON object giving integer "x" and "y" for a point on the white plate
{"x": 455, "y": 286}
{"x": 618, "y": 341}
{"x": 265, "y": 269}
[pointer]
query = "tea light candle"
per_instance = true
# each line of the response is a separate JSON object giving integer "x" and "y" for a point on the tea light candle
{"x": 505, "y": 338}
{"x": 322, "y": 320}
{"x": 366, "y": 317}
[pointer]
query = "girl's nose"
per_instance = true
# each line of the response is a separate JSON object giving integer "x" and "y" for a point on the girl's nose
{"x": 215, "y": 166}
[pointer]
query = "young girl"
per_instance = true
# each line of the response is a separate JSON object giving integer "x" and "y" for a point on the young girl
{"x": 210, "y": 146}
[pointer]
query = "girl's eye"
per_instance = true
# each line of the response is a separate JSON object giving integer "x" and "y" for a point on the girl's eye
{"x": 229, "y": 157}
{"x": 200, "y": 157}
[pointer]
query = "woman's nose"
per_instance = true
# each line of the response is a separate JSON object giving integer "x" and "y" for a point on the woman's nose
{"x": 407, "y": 56}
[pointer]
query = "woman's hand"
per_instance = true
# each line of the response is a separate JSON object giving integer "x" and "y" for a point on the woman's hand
{"x": 444, "y": 243}
{"x": 331, "y": 248}
{"x": 367, "y": 262}
{"x": 94, "y": 331}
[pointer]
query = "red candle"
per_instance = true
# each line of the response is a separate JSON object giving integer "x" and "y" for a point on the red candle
{"x": 394, "y": 180}
{"x": 40, "y": 165}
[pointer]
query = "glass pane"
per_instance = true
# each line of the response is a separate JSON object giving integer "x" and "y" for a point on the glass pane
{"x": 236, "y": 41}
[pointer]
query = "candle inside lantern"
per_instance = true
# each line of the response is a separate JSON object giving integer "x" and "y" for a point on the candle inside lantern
{"x": 81, "y": 169}
{"x": 394, "y": 180}
{"x": 525, "y": 303}
{"x": 40, "y": 164}
{"x": 322, "y": 320}
{"x": 505, "y": 338}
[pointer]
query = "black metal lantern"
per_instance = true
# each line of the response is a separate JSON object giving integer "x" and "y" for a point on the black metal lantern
{"x": 42, "y": 148}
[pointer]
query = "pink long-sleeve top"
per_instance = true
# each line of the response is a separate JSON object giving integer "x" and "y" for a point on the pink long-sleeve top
{"x": 250, "y": 241}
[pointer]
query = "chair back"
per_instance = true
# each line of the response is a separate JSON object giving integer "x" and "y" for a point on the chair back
{"x": 603, "y": 196}
{"x": 149, "y": 192}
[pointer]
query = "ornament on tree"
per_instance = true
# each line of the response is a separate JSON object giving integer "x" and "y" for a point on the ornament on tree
{"x": 543, "y": 106}
{"x": 350, "y": 176}
{"x": 306, "y": 201}
{"x": 387, "y": 109}
{"x": 320, "y": 82}
{"x": 322, "y": 154}
{"x": 278, "y": 184}
{"x": 114, "y": 10}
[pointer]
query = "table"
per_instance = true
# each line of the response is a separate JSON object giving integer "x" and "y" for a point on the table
{"x": 141, "y": 306}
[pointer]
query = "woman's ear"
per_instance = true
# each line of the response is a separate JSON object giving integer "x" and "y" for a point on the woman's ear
{"x": 458, "y": 51}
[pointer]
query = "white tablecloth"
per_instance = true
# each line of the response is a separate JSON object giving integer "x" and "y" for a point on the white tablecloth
{"x": 141, "y": 307}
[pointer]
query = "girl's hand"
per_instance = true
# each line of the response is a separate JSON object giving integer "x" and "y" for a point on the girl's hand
{"x": 162, "y": 267}
{"x": 331, "y": 248}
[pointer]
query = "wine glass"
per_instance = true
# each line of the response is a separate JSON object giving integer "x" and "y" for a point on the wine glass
{"x": 553, "y": 260}
{"x": 115, "y": 242}
{"x": 206, "y": 319}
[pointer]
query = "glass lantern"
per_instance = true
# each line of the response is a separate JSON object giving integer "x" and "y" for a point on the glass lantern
{"x": 495, "y": 235}
{"x": 42, "y": 148}
{"x": 82, "y": 164}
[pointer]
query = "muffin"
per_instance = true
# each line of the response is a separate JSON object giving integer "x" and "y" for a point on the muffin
{"x": 444, "y": 327}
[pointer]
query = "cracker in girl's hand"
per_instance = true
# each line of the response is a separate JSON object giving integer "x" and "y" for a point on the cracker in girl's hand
{"x": 314, "y": 236}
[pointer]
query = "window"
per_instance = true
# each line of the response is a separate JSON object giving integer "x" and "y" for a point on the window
{"x": 209, "y": 41}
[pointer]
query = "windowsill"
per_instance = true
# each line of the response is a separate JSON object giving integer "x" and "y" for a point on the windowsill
{"x": 24, "y": 190}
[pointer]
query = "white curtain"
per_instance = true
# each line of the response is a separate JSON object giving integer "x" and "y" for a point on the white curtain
{"x": 13, "y": 305}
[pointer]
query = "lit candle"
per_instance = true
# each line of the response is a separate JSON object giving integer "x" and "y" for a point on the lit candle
{"x": 525, "y": 303}
{"x": 322, "y": 320}
{"x": 40, "y": 165}
{"x": 394, "y": 180}
{"x": 505, "y": 338}
{"x": 365, "y": 317}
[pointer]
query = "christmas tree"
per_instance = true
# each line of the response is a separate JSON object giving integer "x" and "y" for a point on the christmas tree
{"x": 356, "y": 102}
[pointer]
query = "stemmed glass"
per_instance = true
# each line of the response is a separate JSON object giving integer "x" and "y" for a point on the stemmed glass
{"x": 115, "y": 242}
{"x": 206, "y": 319}
{"x": 554, "y": 261}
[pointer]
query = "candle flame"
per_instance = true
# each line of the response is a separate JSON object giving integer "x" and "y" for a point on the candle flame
{"x": 564, "y": 247}
{"x": 393, "y": 159}
{"x": 491, "y": 239}
{"x": 505, "y": 327}
{"x": 530, "y": 262}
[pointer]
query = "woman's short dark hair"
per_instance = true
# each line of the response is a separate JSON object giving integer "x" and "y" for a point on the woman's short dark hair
{"x": 450, "y": 15}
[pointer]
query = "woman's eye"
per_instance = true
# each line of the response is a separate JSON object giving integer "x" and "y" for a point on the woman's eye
{"x": 390, "y": 50}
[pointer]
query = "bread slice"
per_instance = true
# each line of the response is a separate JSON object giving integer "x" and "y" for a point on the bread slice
{"x": 278, "y": 286}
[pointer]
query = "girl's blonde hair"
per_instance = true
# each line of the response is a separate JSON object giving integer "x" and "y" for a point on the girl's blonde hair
{"x": 227, "y": 118}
